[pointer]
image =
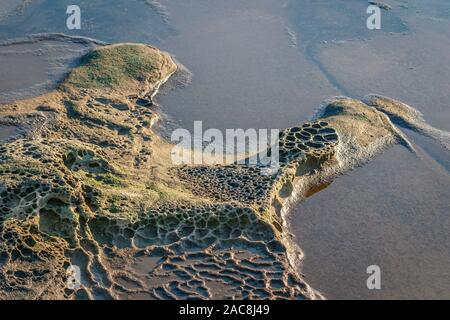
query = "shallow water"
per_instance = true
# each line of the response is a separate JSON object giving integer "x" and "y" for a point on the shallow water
{"x": 392, "y": 213}
{"x": 268, "y": 63}
{"x": 33, "y": 68}
{"x": 247, "y": 73}
{"x": 108, "y": 20}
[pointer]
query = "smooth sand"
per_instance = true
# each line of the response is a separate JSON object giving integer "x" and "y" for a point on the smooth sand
{"x": 394, "y": 211}
{"x": 32, "y": 68}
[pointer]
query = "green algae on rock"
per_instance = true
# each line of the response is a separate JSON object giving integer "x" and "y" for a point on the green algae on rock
{"x": 114, "y": 67}
{"x": 91, "y": 184}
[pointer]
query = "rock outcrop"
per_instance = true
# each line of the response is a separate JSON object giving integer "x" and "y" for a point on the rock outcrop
{"x": 90, "y": 183}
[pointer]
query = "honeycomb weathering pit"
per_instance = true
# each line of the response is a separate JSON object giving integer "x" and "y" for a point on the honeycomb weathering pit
{"x": 90, "y": 183}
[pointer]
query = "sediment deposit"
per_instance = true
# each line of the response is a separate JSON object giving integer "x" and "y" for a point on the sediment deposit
{"x": 88, "y": 182}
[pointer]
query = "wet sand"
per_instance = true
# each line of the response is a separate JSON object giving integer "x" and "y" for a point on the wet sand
{"x": 10, "y": 8}
{"x": 35, "y": 67}
{"x": 267, "y": 64}
{"x": 408, "y": 59}
{"x": 108, "y": 20}
{"x": 393, "y": 213}
{"x": 413, "y": 67}
{"x": 247, "y": 71}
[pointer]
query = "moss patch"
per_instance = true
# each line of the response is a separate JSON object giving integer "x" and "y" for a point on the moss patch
{"x": 114, "y": 67}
